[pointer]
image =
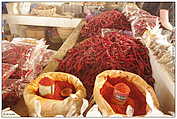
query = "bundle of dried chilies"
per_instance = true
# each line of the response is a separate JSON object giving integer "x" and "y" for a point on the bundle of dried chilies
{"x": 109, "y": 19}
{"x": 113, "y": 51}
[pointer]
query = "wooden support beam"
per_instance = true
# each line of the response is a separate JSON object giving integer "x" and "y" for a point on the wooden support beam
{"x": 69, "y": 43}
{"x": 43, "y": 21}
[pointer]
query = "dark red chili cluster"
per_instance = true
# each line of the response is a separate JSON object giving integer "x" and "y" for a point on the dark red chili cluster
{"x": 109, "y": 19}
{"x": 113, "y": 51}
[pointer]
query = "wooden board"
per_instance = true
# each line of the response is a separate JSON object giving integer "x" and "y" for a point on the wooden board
{"x": 42, "y": 21}
{"x": 69, "y": 43}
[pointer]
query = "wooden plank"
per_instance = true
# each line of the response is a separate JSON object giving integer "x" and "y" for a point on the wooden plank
{"x": 4, "y": 16}
{"x": 12, "y": 9}
{"x": 69, "y": 43}
{"x": 43, "y": 21}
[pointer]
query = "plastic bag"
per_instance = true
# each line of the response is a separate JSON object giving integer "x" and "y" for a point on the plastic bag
{"x": 27, "y": 53}
{"x": 8, "y": 70}
{"x": 47, "y": 55}
{"x": 104, "y": 31}
{"x": 140, "y": 25}
{"x": 28, "y": 41}
{"x": 159, "y": 45}
{"x": 13, "y": 53}
{"x": 33, "y": 61}
{"x": 37, "y": 61}
{"x": 140, "y": 20}
{"x": 130, "y": 12}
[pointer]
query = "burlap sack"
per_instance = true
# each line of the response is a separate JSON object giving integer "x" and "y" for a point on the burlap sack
{"x": 68, "y": 107}
{"x": 103, "y": 106}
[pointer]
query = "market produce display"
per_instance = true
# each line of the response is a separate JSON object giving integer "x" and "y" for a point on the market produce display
{"x": 68, "y": 107}
{"x": 113, "y": 51}
{"x": 131, "y": 92}
{"x": 117, "y": 62}
{"x": 109, "y": 19}
{"x": 23, "y": 59}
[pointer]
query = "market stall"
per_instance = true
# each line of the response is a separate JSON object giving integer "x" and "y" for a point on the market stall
{"x": 103, "y": 59}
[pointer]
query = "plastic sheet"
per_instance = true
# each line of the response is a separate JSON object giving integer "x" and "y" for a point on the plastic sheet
{"x": 104, "y": 31}
{"x": 23, "y": 60}
{"x": 8, "y": 69}
{"x": 27, "y": 53}
{"x": 161, "y": 48}
{"x": 140, "y": 20}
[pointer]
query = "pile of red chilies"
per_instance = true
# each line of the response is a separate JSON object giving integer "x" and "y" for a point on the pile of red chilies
{"x": 113, "y": 51}
{"x": 109, "y": 19}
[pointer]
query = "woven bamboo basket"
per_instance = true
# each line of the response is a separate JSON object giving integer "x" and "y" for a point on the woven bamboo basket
{"x": 44, "y": 11}
{"x": 120, "y": 6}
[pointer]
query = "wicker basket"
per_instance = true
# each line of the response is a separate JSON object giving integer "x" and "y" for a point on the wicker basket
{"x": 44, "y": 11}
{"x": 120, "y": 5}
{"x": 64, "y": 32}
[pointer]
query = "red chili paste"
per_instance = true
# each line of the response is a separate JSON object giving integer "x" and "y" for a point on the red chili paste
{"x": 136, "y": 99}
{"x": 59, "y": 86}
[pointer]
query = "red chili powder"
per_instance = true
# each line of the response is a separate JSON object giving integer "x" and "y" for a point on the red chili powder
{"x": 122, "y": 88}
{"x": 136, "y": 99}
{"x": 46, "y": 81}
{"x": 59, "y": 86}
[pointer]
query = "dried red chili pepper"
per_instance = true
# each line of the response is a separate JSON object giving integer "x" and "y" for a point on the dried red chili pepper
{"x": 113, "y": 51}
{"x": 109, "y": 19}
